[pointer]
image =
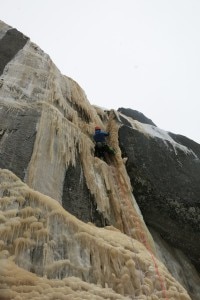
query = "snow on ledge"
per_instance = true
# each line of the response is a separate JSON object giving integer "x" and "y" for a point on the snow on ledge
{"x": 155, "y": 132}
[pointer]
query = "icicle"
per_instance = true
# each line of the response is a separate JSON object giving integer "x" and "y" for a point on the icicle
{"x": 107, "y": 258}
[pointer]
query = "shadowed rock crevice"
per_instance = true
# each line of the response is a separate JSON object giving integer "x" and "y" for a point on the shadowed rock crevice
{"x": 17, "y": 137}
{"x": 77, "y": 198}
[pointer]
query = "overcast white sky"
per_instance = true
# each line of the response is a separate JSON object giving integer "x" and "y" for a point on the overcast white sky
{"x": 139, "y": 54}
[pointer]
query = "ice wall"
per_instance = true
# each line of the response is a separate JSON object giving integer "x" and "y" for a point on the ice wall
{"x": 63, "y": 133}
{"x": 46, "y": 253}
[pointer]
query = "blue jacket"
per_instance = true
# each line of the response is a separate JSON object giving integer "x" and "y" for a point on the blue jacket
{"x": 100, "y": 136}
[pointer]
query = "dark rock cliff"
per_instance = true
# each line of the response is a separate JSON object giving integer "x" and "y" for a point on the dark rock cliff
{"x": 17, "y": 137}
{"x": 11, "y": 43}
{"x": 77, "y": 198}
{"x": 166, "y": 183}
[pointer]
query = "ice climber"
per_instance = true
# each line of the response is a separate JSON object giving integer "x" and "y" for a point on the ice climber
{"x": 101, "y": 146}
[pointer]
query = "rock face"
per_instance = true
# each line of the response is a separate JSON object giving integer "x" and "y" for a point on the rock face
{"x": 79, "y": 201}
{"x": 164, "y": 170}
{"x": 17, "y": 128}
{"x": 136, "y": 115}
{"x": 11, "y": 43}
{"x": 17, "y": 136}
{"x": 54, "y": 191}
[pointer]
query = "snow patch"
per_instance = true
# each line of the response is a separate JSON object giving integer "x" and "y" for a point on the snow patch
{"x": 155, "y": 132}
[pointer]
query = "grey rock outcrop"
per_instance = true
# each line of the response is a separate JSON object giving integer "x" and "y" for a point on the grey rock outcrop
{"x": 164, "y": 170}
{"x": 136, "y": 115}
{"x": 17, "y": 127}
{"x": 77, "y": 198}
{"x": 17, "y": 136}
{"x": 11, "y": 43}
